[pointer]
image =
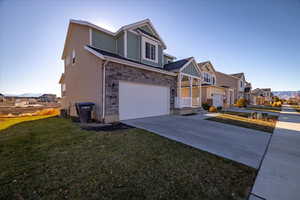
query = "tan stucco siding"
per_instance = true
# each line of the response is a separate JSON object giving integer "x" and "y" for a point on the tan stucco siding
{"x": 204, "y": 96}
{"x": 84, "y": 78}
{"x": 208, "y": 91}
{"x": 229, "y": 81}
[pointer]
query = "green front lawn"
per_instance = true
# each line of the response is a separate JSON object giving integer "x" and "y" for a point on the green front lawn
{"x": 297, "y": 108}
{"x": 54, "y": 159}
{"x": 241, "y": 119}
{"x": 265, "y": 109}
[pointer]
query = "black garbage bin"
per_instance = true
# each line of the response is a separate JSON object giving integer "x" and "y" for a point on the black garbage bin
{"x": 84, "y": 111}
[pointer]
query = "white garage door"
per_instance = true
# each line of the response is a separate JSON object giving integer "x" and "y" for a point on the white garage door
{"x": 142, "y": 100}
{"x": 217, "y": 100}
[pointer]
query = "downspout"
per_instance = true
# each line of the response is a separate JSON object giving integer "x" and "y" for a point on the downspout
{"x": 103, "y": 90}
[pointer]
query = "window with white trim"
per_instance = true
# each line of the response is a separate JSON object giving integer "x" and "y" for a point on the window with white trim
{"x": 63, "y": 87}
{"x": 73, "y": 57}
{"x": 67, "y": 60}
{"x": 149, "y": 50}
{"x": 206, "y": 77}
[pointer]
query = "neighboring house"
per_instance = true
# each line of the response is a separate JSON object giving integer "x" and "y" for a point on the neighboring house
{"x": 212, "y": 93}
{"x": 2, "y": 98}
{"x": 47, "y": 98}
{"x": 261, "y": 96}
{"x": 126, "y": 73}
{"x": 236, "y": 82}
{"x": 230, "y": 82}
{"x": 241, "y": 82}
{"x": 247, "y": 95}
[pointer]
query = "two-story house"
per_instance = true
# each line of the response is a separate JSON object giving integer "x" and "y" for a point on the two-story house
{"x": 241, "y": 83}
{"x": 247, "y": 94}
{"x": 211, "y": 92}
{"x": 236, "y": 82}
{"x": 261, "y": 96}
{"x": 126, "y": 73}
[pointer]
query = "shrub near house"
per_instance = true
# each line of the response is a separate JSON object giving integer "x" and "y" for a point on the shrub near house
{"x": 241, "y": 103}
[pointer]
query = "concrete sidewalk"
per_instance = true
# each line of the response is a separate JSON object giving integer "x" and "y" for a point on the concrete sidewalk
{"x": 279, "y": 175}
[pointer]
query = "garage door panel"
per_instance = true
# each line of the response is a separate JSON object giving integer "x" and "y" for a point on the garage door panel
{"x": 217, "y": 100}
{"x": 142, "y": 100}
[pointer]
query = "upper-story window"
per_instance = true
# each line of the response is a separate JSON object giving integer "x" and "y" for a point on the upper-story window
{"x": 213, "y": 80}
{"x": 207, "y": 77}
{"x": 149, "y": 50}
{"x": 241, "y": 84}
{"x": 73, "y": 57}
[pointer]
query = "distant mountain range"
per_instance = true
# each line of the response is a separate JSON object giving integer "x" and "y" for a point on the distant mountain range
{"x": 286, "y": 94}
{"x": 25, "y": 95}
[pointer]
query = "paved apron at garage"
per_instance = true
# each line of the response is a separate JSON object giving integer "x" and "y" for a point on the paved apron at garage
{"x": 243, "y": 145}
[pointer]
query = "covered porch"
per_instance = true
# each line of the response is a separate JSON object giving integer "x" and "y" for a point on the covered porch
{"x": 188, "y": 91}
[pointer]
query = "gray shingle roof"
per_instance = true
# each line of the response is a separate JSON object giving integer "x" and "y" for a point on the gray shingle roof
{"x": 177, "y": 64}
{"x": 106, "y": 53}
{"x": 238, "y": 75}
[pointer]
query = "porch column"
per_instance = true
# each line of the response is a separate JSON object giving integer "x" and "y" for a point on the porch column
{"x": 191, "y": 91}
{"x": 179, "y": 90}
{"x": 200, "y": 95}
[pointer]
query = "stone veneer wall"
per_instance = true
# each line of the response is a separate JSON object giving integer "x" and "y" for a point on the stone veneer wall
{"x": 115, "y": 72}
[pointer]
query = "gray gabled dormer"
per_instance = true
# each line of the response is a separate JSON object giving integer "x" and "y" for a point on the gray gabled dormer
{"x": 138, "y": 41}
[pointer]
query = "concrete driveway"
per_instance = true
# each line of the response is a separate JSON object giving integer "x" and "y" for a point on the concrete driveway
{"x": 243, "y": 145}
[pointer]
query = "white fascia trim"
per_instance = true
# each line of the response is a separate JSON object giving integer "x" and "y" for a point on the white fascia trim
{"x": 170, "y": 56}
{"x": 91, "y": 39}
{"x": 125, "y": 44}
{"x": 94, "y": 52}
{"x": 129, "y": 63}
{"x": 144, "y": 40}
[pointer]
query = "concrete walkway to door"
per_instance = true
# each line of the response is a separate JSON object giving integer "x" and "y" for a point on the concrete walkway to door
{"x": 279, "y": 174}
{"x": 243, "y": 145}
